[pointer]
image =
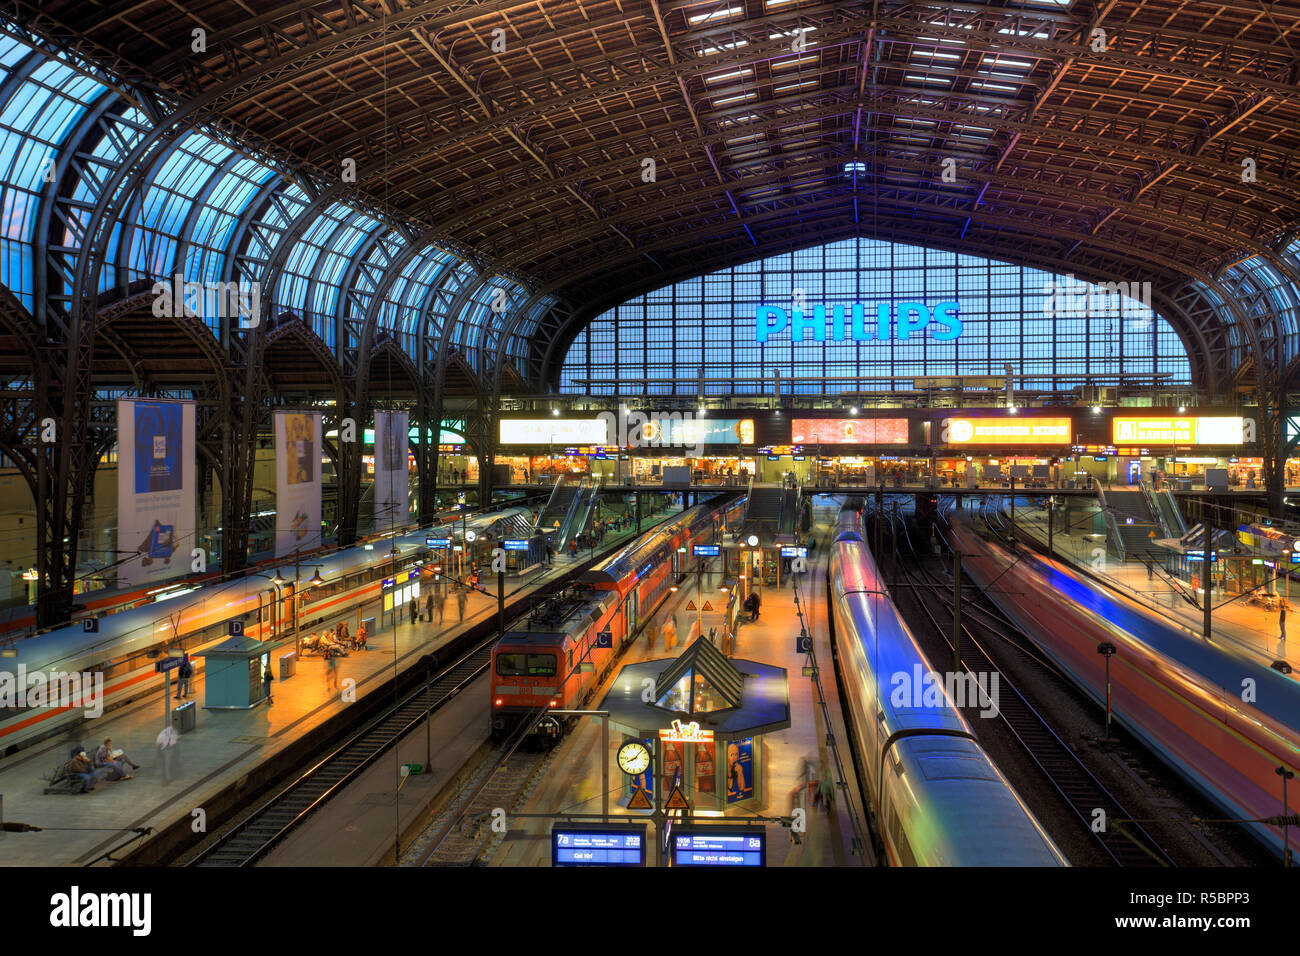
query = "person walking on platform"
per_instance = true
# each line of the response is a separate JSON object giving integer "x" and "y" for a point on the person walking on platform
{"x": 650, "y": 636}
{"x": 331, "y": 674}
{"x": 1281, "y": 624}
{"x": 670, "y": 633}
{"x": 573, "y": 548}
{"x": 826, "y": 788}
{"x": 462, "y": 597}
{"x": 414, "y": 608}
{"x": 266, "y": 682}
{"x": 428, "y": 606}
{"x": 186, "y": 672}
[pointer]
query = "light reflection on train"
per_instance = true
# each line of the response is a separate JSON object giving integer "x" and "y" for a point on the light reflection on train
{"x": 127, "y": 643}
{"x": 938, "y": 799}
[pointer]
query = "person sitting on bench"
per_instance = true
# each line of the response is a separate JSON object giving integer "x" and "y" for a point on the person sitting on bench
{"x": 104, "y": 757}
{"x": 80, "y": 771}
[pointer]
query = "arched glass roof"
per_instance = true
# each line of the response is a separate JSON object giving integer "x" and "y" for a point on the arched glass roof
{"x": 191, "y": 213}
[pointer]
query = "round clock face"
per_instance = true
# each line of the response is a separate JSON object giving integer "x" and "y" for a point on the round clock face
{"x": 633, "y": 758}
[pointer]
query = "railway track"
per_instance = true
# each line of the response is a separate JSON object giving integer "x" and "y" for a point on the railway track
{"x": 1123, "y": 842}
{"x": 255, "y": 834}
{"x": 270, "y": 822}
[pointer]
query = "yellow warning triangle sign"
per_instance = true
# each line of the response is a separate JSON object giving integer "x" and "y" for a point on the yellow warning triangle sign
{"x": 677, "y": 800}
{"x": 690, "y": 605}
{"x": 639, "y": 800}
{"x": 708, "y": 606}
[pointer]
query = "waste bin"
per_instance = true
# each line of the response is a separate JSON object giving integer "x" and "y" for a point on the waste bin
{"x": 288, "y": 665}
{"x": 183, "y": 717}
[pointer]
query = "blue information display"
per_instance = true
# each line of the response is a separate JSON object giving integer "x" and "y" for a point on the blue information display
{"x": 437, "y": 542}
{"x": 706, "y": 550}
{"x": 598, "y": 845}
{"x": 719, "y": 846}
{"x": 516, "y": 544}
{"x": 791, "y": 551}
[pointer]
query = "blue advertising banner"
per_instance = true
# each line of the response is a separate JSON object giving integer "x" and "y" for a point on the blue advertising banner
{"x": 740, "y": 770}
{"x": 155, "y": 489}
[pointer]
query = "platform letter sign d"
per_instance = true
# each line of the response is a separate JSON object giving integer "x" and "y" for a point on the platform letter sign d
{"x": 90, "y": 625}
{"x": 236, "y": 628}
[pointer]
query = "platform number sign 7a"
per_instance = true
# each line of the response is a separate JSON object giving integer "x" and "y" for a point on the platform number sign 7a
{"x": 605, "y": 639}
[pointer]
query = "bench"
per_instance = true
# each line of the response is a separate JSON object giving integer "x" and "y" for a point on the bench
{"x": 60, "y": 782}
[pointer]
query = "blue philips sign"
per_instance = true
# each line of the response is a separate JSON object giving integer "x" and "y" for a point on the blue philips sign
{"x": 853, "y": 322}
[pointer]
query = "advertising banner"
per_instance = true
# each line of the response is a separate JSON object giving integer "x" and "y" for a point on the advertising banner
{"x": 155, "y": 489}
{"x": 554, "y": 431}
{"x": 1016, "y": 430}
{"x": 664, "y": 429}
{"x": 740, "y": 770}
{"x": 848, "y": 431}
{"x": 392, "y": 469}
{"x": 1180, "y": 430}
{"x": 297, "y": 482}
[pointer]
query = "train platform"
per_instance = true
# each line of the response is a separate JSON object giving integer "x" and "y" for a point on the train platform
{"x": 80, "y": 829}
{"x": 572, "y": 780}
{"x": 1237, "y": 624}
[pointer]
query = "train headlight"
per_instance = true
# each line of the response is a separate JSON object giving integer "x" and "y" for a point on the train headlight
{"x": 497, "y": 702}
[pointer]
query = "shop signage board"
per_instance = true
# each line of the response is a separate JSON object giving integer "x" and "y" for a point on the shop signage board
{"x": 554, "y": 431}
{"x": 688, "y": 733}
{"x": 1180, "y": 430}
{"x": 849, "y": 431}
{"x": 1008, "y": 430}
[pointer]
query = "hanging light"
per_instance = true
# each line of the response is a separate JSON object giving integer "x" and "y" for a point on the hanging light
{"x": 279, "y": 580}
{"x": 316, "y": 580}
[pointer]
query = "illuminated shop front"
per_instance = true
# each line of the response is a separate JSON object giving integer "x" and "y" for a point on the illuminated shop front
{"x": 705, "y": 728}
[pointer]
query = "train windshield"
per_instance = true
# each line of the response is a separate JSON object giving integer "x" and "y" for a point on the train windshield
{"x": 526, "y": 665}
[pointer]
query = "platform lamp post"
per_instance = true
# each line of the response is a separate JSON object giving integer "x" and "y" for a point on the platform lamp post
{"x": 315, "y": 581}
{"x": 1106, "y": 649}
{"x": 1286, "y": 775}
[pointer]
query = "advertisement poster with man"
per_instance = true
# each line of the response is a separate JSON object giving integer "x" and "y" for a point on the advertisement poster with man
{"x": 392, "y": 471}
{"x": 740, "y": 770}
{"x": 155, "y": 489}
{"x": 297, "y": 482}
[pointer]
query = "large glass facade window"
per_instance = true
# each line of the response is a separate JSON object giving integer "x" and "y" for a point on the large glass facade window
{"x": 704, "y": 327}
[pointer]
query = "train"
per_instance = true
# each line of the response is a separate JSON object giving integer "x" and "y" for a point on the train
{"x": 937, "y": 798}
{"x": 125, "y": 645}
{"x": 1222, "y": 722}
{"x": 537, "y": 666}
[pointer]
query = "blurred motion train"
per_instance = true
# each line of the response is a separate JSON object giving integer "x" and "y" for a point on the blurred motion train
{"x": 126, "y": 644}
{"x": 938, "y": 799}
{"x": 1224, "y": 722}
{"x": 537, "y": 665}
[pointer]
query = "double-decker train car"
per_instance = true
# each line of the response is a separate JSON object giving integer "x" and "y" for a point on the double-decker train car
{"x": 538, "y": 665}
{"x": 938, "y": 799}
{"x": 121, "y": 652}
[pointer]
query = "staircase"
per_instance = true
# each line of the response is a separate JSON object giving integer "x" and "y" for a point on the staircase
{"x": 1132, "y": 524}
{"x": 763, "y": 511}
{"x": 555, "y": 521}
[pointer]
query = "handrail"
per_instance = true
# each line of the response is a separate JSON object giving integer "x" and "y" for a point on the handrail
{"x": 1112, "y": 526}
